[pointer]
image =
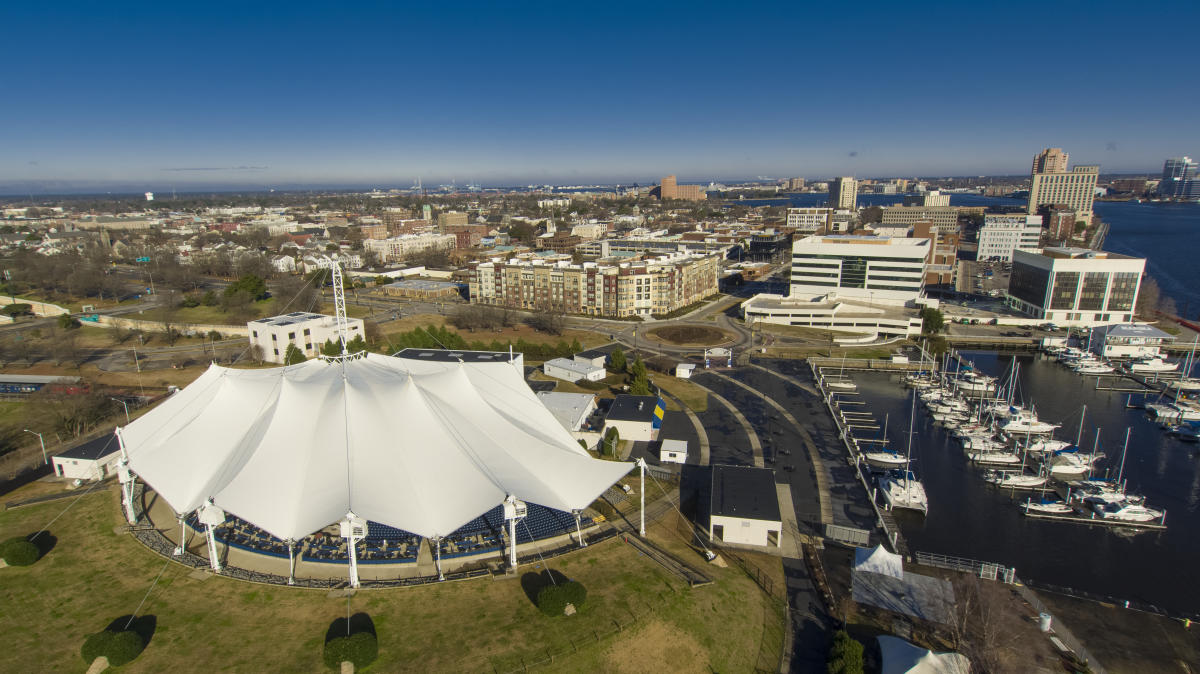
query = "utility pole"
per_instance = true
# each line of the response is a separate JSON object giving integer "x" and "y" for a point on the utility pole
{"x": 42, "y": 442}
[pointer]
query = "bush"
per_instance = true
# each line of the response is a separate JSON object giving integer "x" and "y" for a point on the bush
{"x": 120, "y": 647}
{"x": 19, "y": 552}
{"x": 361, "y": 648}
{"x": 845, "y": 656}
{"x": 553, "y": 599}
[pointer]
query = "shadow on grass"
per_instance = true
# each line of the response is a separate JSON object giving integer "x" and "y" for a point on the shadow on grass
{"x": 359, "y": 622}
{"x": 45, "y": 542}
{"x": 533, "y": 582}
{"x": 144, "y": 626}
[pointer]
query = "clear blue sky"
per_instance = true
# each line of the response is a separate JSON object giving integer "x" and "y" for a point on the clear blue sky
{"x": 301, "y": 92}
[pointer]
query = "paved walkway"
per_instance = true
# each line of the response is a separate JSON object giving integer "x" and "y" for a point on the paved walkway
{"x": 755, "y": 445}
{"x": 821, "y": 474}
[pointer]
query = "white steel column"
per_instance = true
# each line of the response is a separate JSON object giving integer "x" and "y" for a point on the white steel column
{"x": 437, "y": 556}
{"x": 354, "y": 529}
{"x": 579, "y": 529}
{"x": 641, "y": 463}
{"x": 126, "y": 478}
{"x": 182, "y": 538}
{"x": 210, "y": 516}
{"x": 513, "y": 510}
{"x": 291, "y": 543}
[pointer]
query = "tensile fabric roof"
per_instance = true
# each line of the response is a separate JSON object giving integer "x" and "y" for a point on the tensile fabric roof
{"x": 423, "y": 446}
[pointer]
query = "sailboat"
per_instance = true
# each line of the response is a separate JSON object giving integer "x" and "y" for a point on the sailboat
{"x": 902, "y": 489}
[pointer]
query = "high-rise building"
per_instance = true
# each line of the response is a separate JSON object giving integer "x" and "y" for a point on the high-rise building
{"x": 843, "y": 193}
{"x": 1051, "y": 183}
{"x": 1000, "y": 235}
{"x": 945, "y": 218}
{"x": 1050, "y": 160}
{"x": 794, "y": 184}
{"x": 809, "y": 220}
{"x": 1177, "y": 173}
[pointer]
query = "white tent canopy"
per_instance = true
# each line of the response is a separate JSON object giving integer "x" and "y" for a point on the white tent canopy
{"x": 879, "y": 561}
{"x": 423, "y": 446}
{"x": 902, "y": 657}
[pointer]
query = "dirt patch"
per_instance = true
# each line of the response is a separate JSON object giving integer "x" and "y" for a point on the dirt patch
{"x": 690, "y": 335}
{"x": 657, "y": 647}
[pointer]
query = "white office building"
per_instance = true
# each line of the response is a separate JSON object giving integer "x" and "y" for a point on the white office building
{"x": 809, "y": 220}
{"x": 875, "y": 268}
{"x": 1075, "y": 286}
{"x": 306, "y": 330}
{"x": 1000, "y": 235}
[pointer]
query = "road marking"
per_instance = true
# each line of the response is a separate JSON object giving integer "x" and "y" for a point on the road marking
{"x": 755, "y": 445}
{"x": 703, "y": 434}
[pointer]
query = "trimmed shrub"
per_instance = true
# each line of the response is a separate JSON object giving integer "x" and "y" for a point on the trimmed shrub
{"x": 845, "y": 656}
{"x": 120, "y": 647}
{"x": 19, "y": 552}
{"x": 360, "y": 648}
{"x": 553, "y": 599}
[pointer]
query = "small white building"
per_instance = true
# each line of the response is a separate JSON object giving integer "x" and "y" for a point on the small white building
{"x": 284, "y": 264}
{"x": 93, "y": 460}
{"x": 1128, "y": 341}
{"x": 306, "y": 330}
{"x": 684, "y": 370}
{"x": 744, "y": 507}
{"x": 673, "y": 451}
{"x": 573, "y": 370}
{"x": 572, "y": 410}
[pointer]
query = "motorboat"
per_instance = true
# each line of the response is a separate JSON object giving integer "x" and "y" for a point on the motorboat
{"x": 1046, "y": 445}
{"x": 1010, "y": 480}
{"x": 1093, "y": 367}
{"x": 1048, "y": 507}
{"x": 1026, "y": 423}
{"x": 1152, "y": 366}
{"x": 840, "y": 385}
{"x": 1070, "y": 462}
{"x": 1126, "y": 512}
{"x": 902, "y": 489}
{"x": 1184, "y": 432}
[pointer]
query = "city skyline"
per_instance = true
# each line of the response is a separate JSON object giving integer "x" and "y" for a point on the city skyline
{"x": 156, "y": 96}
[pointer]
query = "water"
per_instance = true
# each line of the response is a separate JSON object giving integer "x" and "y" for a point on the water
{"x": 1167, "y": 236}
{"x": 970, "y": 518}
{"x": 810, "y": 199}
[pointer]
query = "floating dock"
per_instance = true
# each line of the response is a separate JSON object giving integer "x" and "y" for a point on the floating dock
{"x": 1078, "y": 518}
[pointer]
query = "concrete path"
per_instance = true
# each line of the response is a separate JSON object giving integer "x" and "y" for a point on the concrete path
{"x": 791, "y": 531}
{"x": 821, "y": 474}
{"x": 755, "y": 445}
{"x": 700, "y": 432}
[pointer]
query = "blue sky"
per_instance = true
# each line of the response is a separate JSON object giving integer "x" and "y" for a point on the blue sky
{"x": 379, "y": 94}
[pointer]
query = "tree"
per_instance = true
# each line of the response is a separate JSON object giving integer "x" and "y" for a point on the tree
{"x": 357, "y": 344}
{"x": 295, "y": 292}
{"x": 331, "y": 348}
{"x": 637, "y": 367}
{"x": 611, "y": 439}
{"x": 252, "y": 285}
{"x": 932, "y": 320}
{"x": 640, "y": 385}
{"x": 68, "y": 322}
{"x": 549, "y": 322}
{"x": 293, "y": 355}
{"x": 1149, "y": 296}
{"x": 616, "y": 360}
{"x": 845, "y": 656}
{"x": 871, "y": 214}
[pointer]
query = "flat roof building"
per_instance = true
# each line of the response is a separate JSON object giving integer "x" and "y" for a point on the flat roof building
{"x": 1051, "y": 183}
{"x": 809, "y": 220}
{"x": 1075, "y": 286}
{"x": 308, "y": 331}
{"x": 843, "y": 193}
{"x": 636, "y": 418}
{"x": 93, "y": 460}
{"x": 1000, "y": 235}
{"x": 744, "y": 507}
{"x": 876, "y": 268}
{"x": 572, "y": 410}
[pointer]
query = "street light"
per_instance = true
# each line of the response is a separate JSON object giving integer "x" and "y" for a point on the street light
{"x": 43, "y": 443}
{"x": 126, "y": 404}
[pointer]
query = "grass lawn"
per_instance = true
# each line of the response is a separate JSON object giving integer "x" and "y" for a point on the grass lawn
{"x": 586, "y": 338}
{"x": 94, "y": 575}
{"x": 692, "y": 395}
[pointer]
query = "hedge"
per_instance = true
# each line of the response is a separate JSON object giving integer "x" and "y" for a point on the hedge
{"x": 19, "y": 552}
{"x": 553, "y": 599}
{"x": 119, "y": 647}
{"x": 360, "y": 648}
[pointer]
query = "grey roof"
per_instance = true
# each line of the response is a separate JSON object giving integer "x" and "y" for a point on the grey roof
{"x": 448, "y": 356}
{"x": 579, "y": 368}
{"x": 745, "y": 492}
{"x": 36, "y": 379}
{"x": 1135, "y": 330}
{"x": 568, "y": 408}
{"x": 94, "y": 450}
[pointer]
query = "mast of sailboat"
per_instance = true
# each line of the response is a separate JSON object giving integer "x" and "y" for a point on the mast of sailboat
{"x": 885, "y": 425}
{"x": 1079, "y": 435}
{"x": 912, "y": 418}
{"x": 1095, "y": 446}
{"x": 1121, "y": 470}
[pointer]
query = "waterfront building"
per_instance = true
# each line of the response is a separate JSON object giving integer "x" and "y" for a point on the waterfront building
{"x": 809, "y": 220}
{"x": 1128, "y": 341}
{"x": 794, "y": 184}
{"x": 1177, "y": 173}
{"x": 669, "y": 188}
{"x": 306, "y": 330}
{"x": 930, "y": 199}
{"x": 1075, "y": 286}
{"x": 843, "y": 193}
{"x": 657, "y": 286}
{"x": 839, "y": 314}
{"x": 877, "y": 268}
{"x": 1052, "y": 183}
{"x": 1000, "y": 235}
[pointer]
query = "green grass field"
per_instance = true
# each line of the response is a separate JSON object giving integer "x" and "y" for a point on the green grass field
{"x": 94, "y": 575}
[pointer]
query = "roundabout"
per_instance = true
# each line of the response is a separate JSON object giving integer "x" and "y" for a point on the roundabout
{"x": 691, "y": 335}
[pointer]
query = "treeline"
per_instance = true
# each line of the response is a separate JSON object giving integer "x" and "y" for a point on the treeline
{"x": 432, "y": 337}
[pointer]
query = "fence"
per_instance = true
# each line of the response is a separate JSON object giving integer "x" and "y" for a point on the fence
{"x": 849, "y": 535}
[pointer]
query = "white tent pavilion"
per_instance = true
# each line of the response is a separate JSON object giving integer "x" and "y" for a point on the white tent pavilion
{"x": 880, "y": 561}
{"x": 902, "y": 657}
{"x": 423, "y": 446}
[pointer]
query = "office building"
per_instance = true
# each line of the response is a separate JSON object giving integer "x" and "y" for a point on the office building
{"x": 1177, "y": 173}
{"x": 306, "y": 330}
{"x": 1052, "y": 184}
{"x": 401, "y": 248}
{"x": 794, "y": 184}
{"x": 1000, "y": 235}
{"x": 1075, "y": 286}
{"x": 449, "y": 218}
{"x": 943, "y": 260}
{"x": 671, "y": 189}
{"x": 649, "y": 287}
{"x": 843, "y": 193}
{"x": 876, "y": 268}
{"x": 932, "y": 198}
{"x": 809, "y": 220}
{"x": 944, "y": 218}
